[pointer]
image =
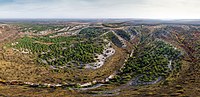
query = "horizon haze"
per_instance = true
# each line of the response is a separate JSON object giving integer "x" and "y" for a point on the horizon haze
{"x": 98, "y": 9}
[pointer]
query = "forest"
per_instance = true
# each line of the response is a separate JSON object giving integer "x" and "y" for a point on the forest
{"x": 92, "y": 32}
{"x": 151, "y": 62}
{"x": 123, "y": 34}
{"x": 114, "y": 39}
{"x": 79, "y": 53}
{"x": 61, "y": 50}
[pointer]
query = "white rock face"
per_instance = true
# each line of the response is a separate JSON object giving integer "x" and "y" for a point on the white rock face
{"x": 101, "y": 58}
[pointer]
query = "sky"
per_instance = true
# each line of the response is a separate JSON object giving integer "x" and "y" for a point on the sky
{"x": 146, "y": 9}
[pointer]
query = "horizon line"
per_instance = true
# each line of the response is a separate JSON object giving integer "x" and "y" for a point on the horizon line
{"x": 102, "y": 18}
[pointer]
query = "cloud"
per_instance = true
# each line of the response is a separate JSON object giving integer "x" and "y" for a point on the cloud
{"x": 99, "y": 9}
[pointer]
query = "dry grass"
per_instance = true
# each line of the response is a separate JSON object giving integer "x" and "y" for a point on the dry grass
{"x": 19, "y": 91}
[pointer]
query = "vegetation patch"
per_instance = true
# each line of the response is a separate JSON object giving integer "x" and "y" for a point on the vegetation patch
{"x": 123, "y": 34}
{"x": 114, "y": 39}
{"x": 151, "y": 62}
{"x": 61, "y": 50}
{"x": 92, "y": 32}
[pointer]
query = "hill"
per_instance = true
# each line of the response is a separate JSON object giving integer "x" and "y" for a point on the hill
{"x": 134, "y": 58}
